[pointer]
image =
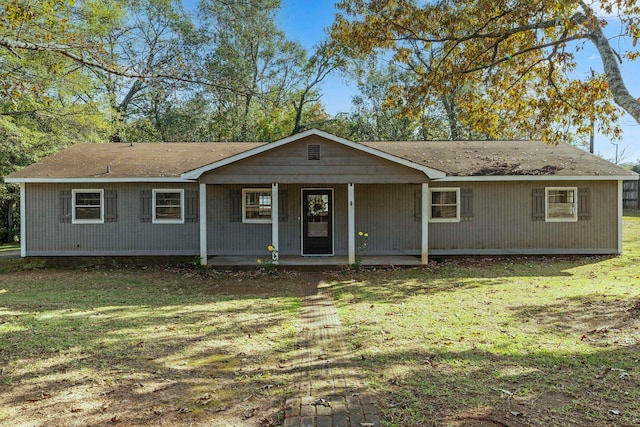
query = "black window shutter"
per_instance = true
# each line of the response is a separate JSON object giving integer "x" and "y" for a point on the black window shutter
{"x": 417, "y": 204}
{"x": 191, "y": 206}
{"x": 466, "y": 203}
{"x": 584, "y": 204}
{"x": 65, "y": 206}
{"x": 110, "y": 206}
{"x": 145, "y": 206}
{"x": 538, "y": 209}
{"x": 283, "y": 206}
{"x": 235, "y": 205}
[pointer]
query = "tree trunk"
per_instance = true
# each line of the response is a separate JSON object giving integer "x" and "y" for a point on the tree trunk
{"x": 621, "y": 94}
{"x": 8, "y": 206}
{"x": 10, "y": 209}
{"x": 4, "y": 237}
{"x": 297, "y": 124}
{"x": 449, "y": 107}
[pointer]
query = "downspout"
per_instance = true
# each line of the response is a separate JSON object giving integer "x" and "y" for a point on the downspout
{"x": 620, "y": 210}
{"x": 23, "y": 222}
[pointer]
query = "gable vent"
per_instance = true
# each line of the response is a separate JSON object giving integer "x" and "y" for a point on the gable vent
{"x": 313, "y": 152}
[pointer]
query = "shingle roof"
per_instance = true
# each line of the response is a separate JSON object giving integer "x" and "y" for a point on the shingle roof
{"x": 455, "y": 158}
{"x": 146, "y": 160}
{"x": 483, "y": 158}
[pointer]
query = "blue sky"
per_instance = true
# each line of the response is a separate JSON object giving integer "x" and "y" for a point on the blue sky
{"x": 306, "y": 21}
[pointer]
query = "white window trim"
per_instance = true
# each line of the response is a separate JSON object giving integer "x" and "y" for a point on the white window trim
{"x": 244, "y": 206}
{"x": 574, "y": 218}
{"x": 73, "y": 206}
{"x": 444, "y": 189}
{"x": 153, "y": 206}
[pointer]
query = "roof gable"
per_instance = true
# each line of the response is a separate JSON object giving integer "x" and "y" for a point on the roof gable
{"x": 428, "y": 171}
{"x": 312, "y": 159}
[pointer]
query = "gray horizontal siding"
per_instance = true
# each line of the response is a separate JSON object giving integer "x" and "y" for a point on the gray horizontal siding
{"x": 386, "y": 213}
{"x": 502, "y": 221}
{"x": 46, "y": 235}
{"x": 226, "y": 237}
{"x": 289, "y": 165}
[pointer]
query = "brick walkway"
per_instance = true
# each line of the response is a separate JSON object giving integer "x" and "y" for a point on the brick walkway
{"x": 329, "y": 388}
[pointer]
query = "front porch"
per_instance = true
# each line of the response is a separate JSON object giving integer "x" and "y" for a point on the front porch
{"x": 397, "y": 214}
{"x": 299, "y": 261}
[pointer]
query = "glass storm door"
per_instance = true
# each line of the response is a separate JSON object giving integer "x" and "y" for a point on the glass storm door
{"x": 317, "y": 222}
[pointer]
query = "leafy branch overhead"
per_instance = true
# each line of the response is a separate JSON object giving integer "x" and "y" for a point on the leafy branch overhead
{"x": 507, "y": 64}
{"x": 157, "y": 71}
{"x": 79, "y": 32}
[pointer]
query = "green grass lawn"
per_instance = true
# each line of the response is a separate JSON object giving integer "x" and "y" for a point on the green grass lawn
{"x": 143, "y": 346}
{"x": 518, "y": 342}
{"x": 465, "y": 342}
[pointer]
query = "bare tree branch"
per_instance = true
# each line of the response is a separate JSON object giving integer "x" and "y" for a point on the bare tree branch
{"x": 66, "y": 51}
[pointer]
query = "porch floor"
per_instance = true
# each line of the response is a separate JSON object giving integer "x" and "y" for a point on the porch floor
{"x": 290, "y": 260}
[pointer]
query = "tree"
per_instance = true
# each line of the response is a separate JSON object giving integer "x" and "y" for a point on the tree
{"x": 519, "y": 54}
{"x": 48, "y": 99}
{"x": 155, "y": 39}
{"x": 252, "y": 59}
{"x": 323, "y": 62}
{"x": 372, "y": 119}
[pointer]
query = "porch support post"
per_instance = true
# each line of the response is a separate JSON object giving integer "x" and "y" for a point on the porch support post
{"x": 23, "y": 222}
{"x": 424, "y": 215}
{"x": 620, "y": 211}
{"x": 203, "y": 224}
{"x": 351, "y": 223}
{"x": 274, "y": 222}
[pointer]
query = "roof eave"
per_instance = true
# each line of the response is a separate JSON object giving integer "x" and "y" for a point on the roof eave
{"x": 94, "y": 180}
{"x": 474, "y": 178}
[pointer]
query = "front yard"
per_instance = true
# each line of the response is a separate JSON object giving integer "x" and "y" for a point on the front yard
{"x": 143, "y": 347}
{"x": 516, "y": 342}
{"x": 473, "y": 342}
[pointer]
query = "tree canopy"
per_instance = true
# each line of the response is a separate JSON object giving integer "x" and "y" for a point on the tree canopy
{"x": 509, "y": 63}
{"x": 147, "y": 70}
{"x": 150, "y": 70}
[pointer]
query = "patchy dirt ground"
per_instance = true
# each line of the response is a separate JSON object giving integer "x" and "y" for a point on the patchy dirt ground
{"x": 523, "y": 342}
{"x": 178, "y": 347}
{"x": 140, "y": 347}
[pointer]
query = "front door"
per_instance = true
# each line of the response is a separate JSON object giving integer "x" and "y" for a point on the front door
{"x": 317, "y": 222}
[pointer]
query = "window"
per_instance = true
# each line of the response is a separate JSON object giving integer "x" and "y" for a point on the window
{"x": 168, "y": 206}
{"x": 256, "y": 205}
{"x": 561, "y": 204}
{"x": 88, "y": 206}
{"x": 445, "y": 205}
